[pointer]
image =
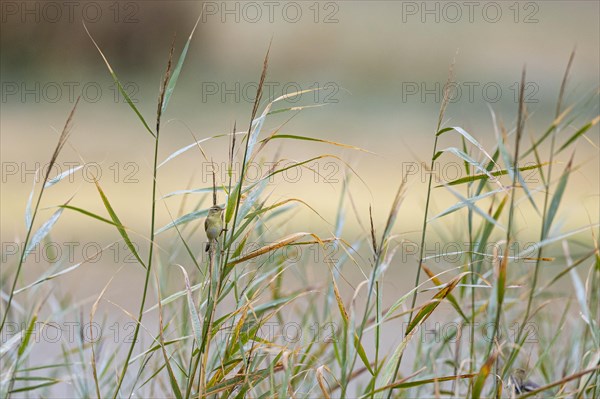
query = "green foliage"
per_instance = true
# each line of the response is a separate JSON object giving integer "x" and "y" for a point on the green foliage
{"x": 210, "y": 340}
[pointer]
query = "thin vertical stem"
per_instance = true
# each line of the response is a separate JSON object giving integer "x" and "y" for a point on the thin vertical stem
{"x": 61, "y": 142}
{"x": 473, "y": 281}
{"x": 544, "y": 228}
{"x": 161, "y": 98}
{"x": 425, "y": 215}
{"x": 421, "y": 252}
{"x": 245, "y": 159}
{"x": 511, "y": 210}
{"x": 148, "y": 270}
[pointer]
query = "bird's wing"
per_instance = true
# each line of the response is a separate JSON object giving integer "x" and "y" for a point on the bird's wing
{"x": 529, "y": 386}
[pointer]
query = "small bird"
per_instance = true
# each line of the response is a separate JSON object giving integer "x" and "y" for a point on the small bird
{"x": 517, "y": 384}
{"x": 213, "y": 224}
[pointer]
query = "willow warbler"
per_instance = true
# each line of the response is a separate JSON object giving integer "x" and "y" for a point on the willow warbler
{"x": 213, "y": 224}
{"x": 518, "y": 384}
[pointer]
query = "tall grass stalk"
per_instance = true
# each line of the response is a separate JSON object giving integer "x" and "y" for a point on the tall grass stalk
{"x": 159, "y": 111}
{"x": 445, "y": 100}
{"x": 473, "y": 358}
{"x": 501, "y": 278}
{"x": 545, "y": 229}
{"x": 238, "y": 191}
{"x": 62, "y": 140}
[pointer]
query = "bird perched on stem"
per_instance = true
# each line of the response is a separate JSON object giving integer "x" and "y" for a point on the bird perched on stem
{"x": 213, "y": 225}
{"x": 518, "y": 384}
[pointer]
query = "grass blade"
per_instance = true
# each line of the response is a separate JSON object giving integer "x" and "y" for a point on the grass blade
{"x": 556, "y": 198}
{"x": 119, "y": 86}
{"x": 472, "y": 178}
{"x": 466, "y": 135}
{"x": 462, "y": 155}
{"x": 88, "y": 213}
{"x": 177, "y": 69}
{"x": 188, "y": 217}
{"x": 64, "y": 174}
{"x": 579, "y": 133}
{"x": 43, "y": 231}
{"x": 482, "y": 376}
{"x": 196, "y": 325}
{"x": 119, "y": 225}
{"x": 428, "y": 309}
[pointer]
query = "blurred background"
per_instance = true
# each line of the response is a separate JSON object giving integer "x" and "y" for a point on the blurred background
{"x": 381, "y": 67}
